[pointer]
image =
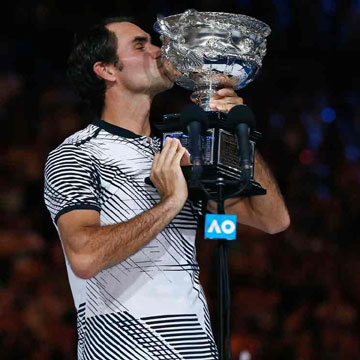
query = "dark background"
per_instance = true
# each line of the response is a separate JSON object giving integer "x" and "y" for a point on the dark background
{"x": 296, "y": 294}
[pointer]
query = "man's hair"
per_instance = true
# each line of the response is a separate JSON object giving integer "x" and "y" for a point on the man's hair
{"x": 95, "y": 44}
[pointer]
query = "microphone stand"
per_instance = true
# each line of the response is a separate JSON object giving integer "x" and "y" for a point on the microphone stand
{"x": 224, "y": 339}
{"x": 223, "y": 296}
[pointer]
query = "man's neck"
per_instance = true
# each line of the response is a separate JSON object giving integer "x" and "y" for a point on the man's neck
{"x": 129, "y": 111}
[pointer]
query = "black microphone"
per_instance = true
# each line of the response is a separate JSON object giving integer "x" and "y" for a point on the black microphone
{"x": 194, "y": 121}
{"x": 242, "y": 120}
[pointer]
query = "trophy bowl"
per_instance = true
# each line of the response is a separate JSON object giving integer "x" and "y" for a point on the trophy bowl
{"x": 206, "y": 51}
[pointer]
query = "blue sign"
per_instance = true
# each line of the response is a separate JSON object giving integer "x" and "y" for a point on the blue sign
{"x": 220, "y": 226}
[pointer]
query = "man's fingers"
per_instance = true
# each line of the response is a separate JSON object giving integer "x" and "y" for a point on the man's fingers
{"x": 231, "y": 100}
{"x": 225, "y": 99}
{"x": 155, "y": 160}
{"x": 224, "y": 107}
{"x": 178, "y": 156}
{"x": 164, "y": 152}
{"x": 168, "y": 157}
{"x": 225, "y": 92}
{"x": 228, "y": 100}
{"x": 179, "y": 145}
{"x": 185, "y": 160}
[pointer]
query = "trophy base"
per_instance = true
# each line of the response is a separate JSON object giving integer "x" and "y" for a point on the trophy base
{"x": 220, "y": 158}
{"x": 207, "y": 186}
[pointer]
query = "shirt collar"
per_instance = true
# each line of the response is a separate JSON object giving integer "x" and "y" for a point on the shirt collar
{"x": 116, "y": 130}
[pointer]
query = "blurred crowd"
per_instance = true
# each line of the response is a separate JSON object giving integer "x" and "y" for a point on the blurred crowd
{"x": 295, "y": 295}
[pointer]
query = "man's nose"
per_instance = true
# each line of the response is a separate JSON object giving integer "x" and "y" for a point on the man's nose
{"x": 155, "y": 51}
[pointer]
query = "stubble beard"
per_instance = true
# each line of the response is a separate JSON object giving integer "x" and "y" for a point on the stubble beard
{"x": 162, "y": 84}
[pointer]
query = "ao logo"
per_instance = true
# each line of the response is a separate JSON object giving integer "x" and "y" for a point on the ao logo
{"x": 220, "y": 226}
{"x": 227, "y": 227}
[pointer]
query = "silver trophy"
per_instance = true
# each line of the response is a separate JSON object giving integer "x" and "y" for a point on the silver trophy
{"x": 204, "y": 52}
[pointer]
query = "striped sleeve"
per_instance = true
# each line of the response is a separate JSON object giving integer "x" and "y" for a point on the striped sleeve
{"x": 71, "y": 181}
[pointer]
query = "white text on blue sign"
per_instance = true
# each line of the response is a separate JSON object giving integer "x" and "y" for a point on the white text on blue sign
{"x": 220, "y": 226}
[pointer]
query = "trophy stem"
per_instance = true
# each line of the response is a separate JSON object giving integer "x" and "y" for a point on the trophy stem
{"x": 202, "y": 95}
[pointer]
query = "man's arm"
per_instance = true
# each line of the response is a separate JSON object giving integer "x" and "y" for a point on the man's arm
{"x": 265, "y": 212}
{"x": 91, "y": 247}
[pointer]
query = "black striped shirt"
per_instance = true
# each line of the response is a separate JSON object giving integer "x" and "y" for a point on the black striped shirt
{"x": 151, "y": 305}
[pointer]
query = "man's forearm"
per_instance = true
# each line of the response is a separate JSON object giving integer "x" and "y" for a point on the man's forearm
{"x": 270, "y": 208}
{"x": 100, "y": 247}
{"x": 91, "y": 248}
{"x": 266, "y": 212}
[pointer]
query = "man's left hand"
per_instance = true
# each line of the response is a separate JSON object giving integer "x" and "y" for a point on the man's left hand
{"x": 225, "y": 99}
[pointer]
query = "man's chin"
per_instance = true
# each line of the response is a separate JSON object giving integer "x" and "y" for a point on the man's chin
{"x": 166, "y": 84}
{"x": 170, "y": 84}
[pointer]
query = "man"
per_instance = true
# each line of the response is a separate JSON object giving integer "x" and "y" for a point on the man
{"x": 129, "y": 247}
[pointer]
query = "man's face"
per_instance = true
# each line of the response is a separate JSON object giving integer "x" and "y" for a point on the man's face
{"x": 139, "y": 60}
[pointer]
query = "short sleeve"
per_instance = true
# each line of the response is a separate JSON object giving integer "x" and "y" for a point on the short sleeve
{"x": 71, "y": 181}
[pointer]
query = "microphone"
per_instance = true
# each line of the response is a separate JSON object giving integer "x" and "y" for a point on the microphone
{"x": 194, "y": 121}
{"x": 242, "y": 120}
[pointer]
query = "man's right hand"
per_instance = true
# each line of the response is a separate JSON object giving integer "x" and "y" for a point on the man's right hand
{"x": 167, "y": 176}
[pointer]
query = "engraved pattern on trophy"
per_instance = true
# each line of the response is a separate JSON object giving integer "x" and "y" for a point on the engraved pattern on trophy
{"x": 206, "y": 51}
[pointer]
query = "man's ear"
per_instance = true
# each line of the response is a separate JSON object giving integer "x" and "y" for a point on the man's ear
{"x": 104, "y": 71}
